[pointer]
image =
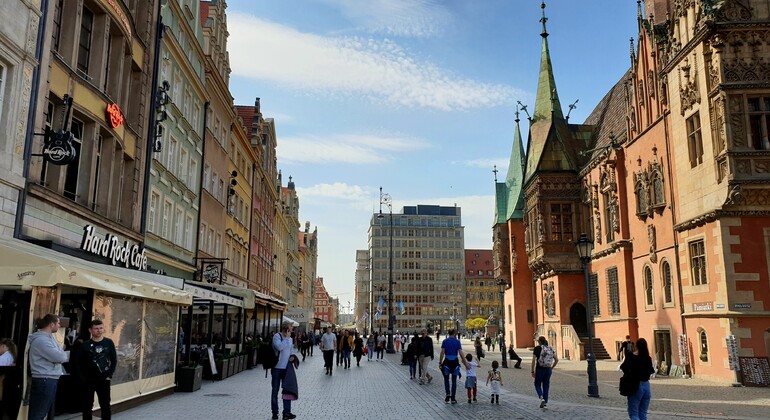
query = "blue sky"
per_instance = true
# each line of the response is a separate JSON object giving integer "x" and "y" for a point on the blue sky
{"x": 416, "y": 96}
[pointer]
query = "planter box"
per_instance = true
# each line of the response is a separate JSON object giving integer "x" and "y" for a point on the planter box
{"x": 241, "y": 363}
{"x": 189, "y": 379}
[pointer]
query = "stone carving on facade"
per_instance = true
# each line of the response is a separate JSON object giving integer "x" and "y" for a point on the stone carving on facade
{"x": 549, "y": 299}
{"x": 651, "y": 83}
{"x": 514, "y": 257}
{"x": 651, "y": 238}
{"x": 32, "y": 33}
{"x": 597, "y": 214}
{"x": 746, "y": 70}
{"x": 734, "y": 10}
{"x": 526, "y": 235}
{"x": 540, "y": 227}
{"x": 688, "y": 88}
{"x": 609, "y": 187}
{"x": 717, "y": 109}
{"x": 21, "y": 125}
{"x": 737, "y": 120}
{"x": 497, "y": 254}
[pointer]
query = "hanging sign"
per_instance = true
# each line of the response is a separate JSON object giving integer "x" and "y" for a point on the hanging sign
{"x": 125, "y": 254}
{"x": 114, "y": 116}
{"x": 58, "y": 148}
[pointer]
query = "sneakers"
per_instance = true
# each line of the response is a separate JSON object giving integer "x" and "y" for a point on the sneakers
{"x": 474, "y": 399}
{"x": 446, "y": 400}
{"x": 430, "y": 378}
{"x": 289, "y": 416}
{"x": 469, "y": 401}
{"x": 454, "y": 401}
{"x": 542, "y": 404}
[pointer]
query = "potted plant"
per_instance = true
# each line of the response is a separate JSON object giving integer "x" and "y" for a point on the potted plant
{"x": 189, "y": 378}
{"x": 251, "y": 353}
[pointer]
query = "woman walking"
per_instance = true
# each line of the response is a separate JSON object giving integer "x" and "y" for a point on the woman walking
{"x": 380, "y": 345}
{"x": 370, "y": 342}
{"x": 543, "y": 361}
{"x": 639, "y": 365}
{"x": 479, "y": 349}
{"x": 358, "y": 349}
{"x": 412, "y": 351}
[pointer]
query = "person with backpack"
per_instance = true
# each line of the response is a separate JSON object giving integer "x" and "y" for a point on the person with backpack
{"x": 282, "y": 345}
{"x": 638, "y": 365}
{"x": 95, "y": 364}
{"x": 543, "y": 361}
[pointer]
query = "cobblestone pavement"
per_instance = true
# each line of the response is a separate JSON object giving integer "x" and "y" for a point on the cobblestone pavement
{"x": 383, "y": 389}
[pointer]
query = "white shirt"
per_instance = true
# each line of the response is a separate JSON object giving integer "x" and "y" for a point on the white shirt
{"x": 282, "y": 345}
{"x": 328, "y": 341}
{"x": 6, "y": 359}
{"x": 471, "y": 371}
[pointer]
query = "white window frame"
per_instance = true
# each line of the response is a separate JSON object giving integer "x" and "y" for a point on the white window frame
{"x": 152, "y": 213}
{"x": 178, "y": 226}
{"x": 188, "y": 224}
{"x": 168, "y": 207}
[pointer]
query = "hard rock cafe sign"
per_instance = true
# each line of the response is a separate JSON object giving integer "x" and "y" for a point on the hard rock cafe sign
{"x": 120, "y": 254}
{"x": 114, "y": 116}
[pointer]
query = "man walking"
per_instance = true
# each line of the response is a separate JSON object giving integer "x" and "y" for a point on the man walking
{"x": 328, "y": 347}
{"x": 426, "y": 351}
{"x": 449, "y": 363}
{"x": 96, "y": 363}
{"x": 282, "y": 344}
{"x": 544, "y": 359}
{"x": 45, "y": 359}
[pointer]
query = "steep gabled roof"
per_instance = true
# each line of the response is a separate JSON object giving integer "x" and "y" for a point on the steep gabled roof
{"x": 509, "y": 200}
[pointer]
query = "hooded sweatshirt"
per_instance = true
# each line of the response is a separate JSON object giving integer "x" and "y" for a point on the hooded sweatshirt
{"x": 45, "y": 356}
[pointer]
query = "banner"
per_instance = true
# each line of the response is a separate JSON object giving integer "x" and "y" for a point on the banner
{"x": 401, "y": 309}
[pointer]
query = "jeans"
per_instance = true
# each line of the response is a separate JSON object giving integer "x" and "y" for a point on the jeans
{"x": 346, "y": 358}
{"x": 450, "y": 368}
{"x": 102, "y": 389}
{"x": 380, "y": 352}
{"x": 543, "y": 382}
{"x": 42, "y": 398}
{"x": 639, "y": 402}
{"x": 278, "y": 375}
{"x": 412, "y": 367}
{"x": 369, "y": 352}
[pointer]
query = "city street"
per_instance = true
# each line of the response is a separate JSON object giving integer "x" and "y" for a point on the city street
{"x": 384, "y": 389}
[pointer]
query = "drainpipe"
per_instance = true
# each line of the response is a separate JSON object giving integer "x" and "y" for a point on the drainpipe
{"x": 151, "y": 131}
{"x": 27, "y": 154}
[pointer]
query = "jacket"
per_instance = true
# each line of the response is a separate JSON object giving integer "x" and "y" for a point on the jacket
{"x": 426, "y": 345}
{"x": 290, "y": 384}
{"x": 45, "y": 356}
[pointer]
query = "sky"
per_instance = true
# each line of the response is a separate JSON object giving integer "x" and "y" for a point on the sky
{"x": 415, "y": 96}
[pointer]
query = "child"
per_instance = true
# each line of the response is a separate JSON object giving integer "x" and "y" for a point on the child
{"x": 470, "y": 377}
{"x": 497, "y": 379}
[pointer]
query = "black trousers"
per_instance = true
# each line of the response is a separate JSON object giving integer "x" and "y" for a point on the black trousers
{"x": 328, "y": 359}
{"x": 102, "y": 389}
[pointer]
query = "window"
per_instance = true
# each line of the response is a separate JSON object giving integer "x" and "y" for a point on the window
{"x": 614, "y": 291}
{"x": 694, "y": 141}
{"x": 2, "y": 87}
{"x": 698, "y": 262}
{"x": 561, "y": 222}
{"x": 84, "y": 47}
{"x": 668, "y": 291}
{"x": 214, "y": 186}
{"x": 207, "y": 176}
{"x": 71, "y": 183}
{"x": 178, "y": 221}
{"x": 202, "y": 237}
{"x": 491, "y": 295}
{"x": 704, "y": 345}
{"x": 188, "y": 229}
{"x": 164, "y": 226}
{"x": 172, "y": 155}
{"x": 192, "y": 177}
{"x": 759, "y": 110}
{"x": 593, "y": 286}
{"x": 641, "y": 198}
{"x": 57, "y": 24}
{"x": 152, "y": 213}
{"x": 658, "y": 195}
{"x": 183, "y": 165}
{"x": 210, "y": 241}
{"x": 648, "y": 287}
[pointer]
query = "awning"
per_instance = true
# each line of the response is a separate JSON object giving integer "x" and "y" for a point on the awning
{"x": 24, "y": 265}
{"x": 203, "y": 293}
{"x": 293, "y": 322}
{"x": 246, "y": 295}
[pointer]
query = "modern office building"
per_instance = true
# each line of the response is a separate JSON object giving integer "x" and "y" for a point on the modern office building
{"x": 363, "y": 304}
{"x": 427, "y": 268}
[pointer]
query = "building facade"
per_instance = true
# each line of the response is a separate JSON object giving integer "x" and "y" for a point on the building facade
{"x": 363, "y": 295}
{"x": 482, "y": 295}
{"x": 324, "y": 310}
{"x": 428, "y": 270}
{"x": 680, "y": 248}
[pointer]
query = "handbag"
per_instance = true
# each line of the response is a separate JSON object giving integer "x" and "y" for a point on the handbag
{"x": 628, "y": 385}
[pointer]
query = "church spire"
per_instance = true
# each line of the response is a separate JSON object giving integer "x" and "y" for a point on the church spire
{"x": 547, "y": 102}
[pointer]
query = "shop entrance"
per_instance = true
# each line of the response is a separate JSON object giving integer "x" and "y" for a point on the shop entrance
{"x": 662, "y": 356}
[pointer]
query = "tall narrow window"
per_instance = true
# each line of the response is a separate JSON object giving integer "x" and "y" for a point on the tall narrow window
{"x": 152, "y": 214}
{"x": 164, "y": 226}
{"x": 668, "y": 291}
{"x": 698, "y": 262}
{"x": 614, "y": 291}
{"x": 759, "y": 111}
{"x": 648, "y": 287}
{"x": 73, "y": 169}
{"x": 561, "y": 222}
{"x": 84, "y": 47}
{"x": 704, "y": 345}
{"x": 57, "y": 13}
{"x": 593, "y": 286}
{"x": 694, "y": 141}
{"x": 188, "y": 229}
{"x": 658, "y": 195}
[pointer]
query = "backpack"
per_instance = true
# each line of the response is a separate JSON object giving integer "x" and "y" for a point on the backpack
{"x": 546, "y": 357}
{"x": 267, "y": 357}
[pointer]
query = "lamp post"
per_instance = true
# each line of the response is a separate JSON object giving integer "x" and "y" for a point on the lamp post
{"x": 502, "y": 284}
{"x": 585, "y": 248}
{"x": 385, "y": 199}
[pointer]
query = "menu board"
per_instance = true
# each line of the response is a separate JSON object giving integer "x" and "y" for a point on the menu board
{"x": 756, "y": 371}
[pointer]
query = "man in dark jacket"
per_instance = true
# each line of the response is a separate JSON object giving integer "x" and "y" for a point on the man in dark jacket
{"x": 97, "y": 360}
{"x": 425, "y": 356}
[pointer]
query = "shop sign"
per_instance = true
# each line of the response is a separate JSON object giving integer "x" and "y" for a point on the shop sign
{"x": 720, "y": 305}
{"x": 58, "y": 148}
{"x": 120, "y": 14}
{"x": 298, "y": 314}
{"x": 703, "y": 307}
{"x": 125, "y": 254}
{"x": 742, "y": 305}
{"x": 114, "y": 116}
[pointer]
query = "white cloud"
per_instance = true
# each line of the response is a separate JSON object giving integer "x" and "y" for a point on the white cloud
{"x": 345, "y": 148}
{"x": 407, "y": 18}
{"x": 377, "y": 70}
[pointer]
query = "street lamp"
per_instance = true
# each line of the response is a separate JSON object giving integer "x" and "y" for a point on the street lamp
{"x": 386, "y": 200}
{"x": 585, "y": 248}
{"x": 502, "y": 284}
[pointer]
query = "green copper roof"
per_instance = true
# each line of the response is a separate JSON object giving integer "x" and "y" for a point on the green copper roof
{"x": 501, "y": 203}
{"x": 514, "y": 181}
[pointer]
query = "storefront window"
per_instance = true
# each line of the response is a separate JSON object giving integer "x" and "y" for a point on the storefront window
{"x": 159, "y": 339}
{"x": 122, "y": 317}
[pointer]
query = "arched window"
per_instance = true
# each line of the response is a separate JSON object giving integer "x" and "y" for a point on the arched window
{"x": 648, "y": 295}
{"x": 658, "y": 195}
{"x": 668, "y": 290}
{"x": 704, "y": 345}
{"x": 641, "y": 198}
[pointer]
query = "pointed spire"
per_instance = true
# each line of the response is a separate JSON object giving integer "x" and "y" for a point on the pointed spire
{"x": 543, "y": 20}
{"x": 514, "y": 180}
{"x": 547, "y": 102}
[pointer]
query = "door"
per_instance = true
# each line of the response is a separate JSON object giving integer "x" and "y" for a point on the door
{"x": 662, "y": 355}
{"x": 577, "y": 317}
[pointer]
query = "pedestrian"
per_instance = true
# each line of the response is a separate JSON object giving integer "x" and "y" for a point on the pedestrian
{"x": 470, "y": 377}
{"x": 412, "y": 351}
{"x": 438, "y": 335}
{"x": 370, "y": 343}
{"x": 312, "y": 338}
{"x": 10, "y": 389}
{"x": 304, "y": 345}
{"x": 95, "y": 364}
{"x": 626, "y": 348}
{"x": 543, "y": 361}
{"x": 328, "y": 347}
{"x": 347, "y": 348}
{"x": 479, "y": 348}
{"x": 380, "y": 346}
{"x": 495, "y": 381}
{"x": 45, "y": 363}
{"x": 358, "y": 349}
{"x": 426, "y": 351}
{"x": 7, "y": 352}
{"x": 488, "y": 342}
{"x": 494, "y": 342}
{"x": 339, "y": 348}
{"x": 638, "y": 364}
{"x": 282, "y": 345}
{"x": 449, "y": 362}
{"x": 513, "y": 356}
{"x": 397, "y": 341}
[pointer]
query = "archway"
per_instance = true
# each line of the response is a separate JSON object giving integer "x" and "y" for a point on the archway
{"x": 577, "y": 317}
